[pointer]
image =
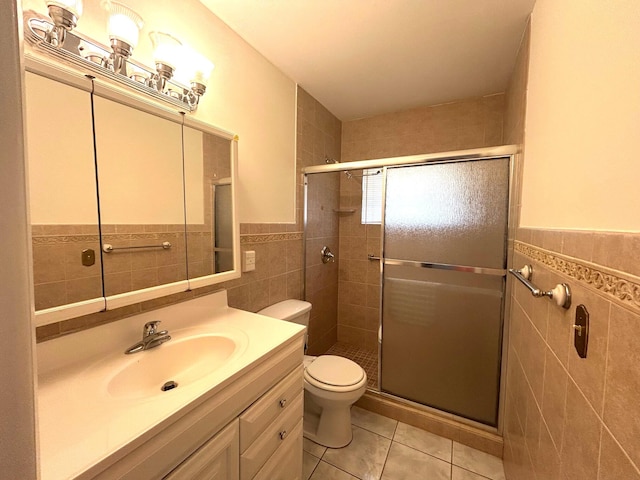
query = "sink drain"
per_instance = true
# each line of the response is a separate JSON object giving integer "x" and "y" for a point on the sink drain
{"x": 170, "y": 385}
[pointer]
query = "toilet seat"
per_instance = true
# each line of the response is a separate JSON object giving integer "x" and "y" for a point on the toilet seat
{"x": 330, "y": 372}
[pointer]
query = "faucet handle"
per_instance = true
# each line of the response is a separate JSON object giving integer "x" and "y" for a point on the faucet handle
{"x": 150, "y": 328}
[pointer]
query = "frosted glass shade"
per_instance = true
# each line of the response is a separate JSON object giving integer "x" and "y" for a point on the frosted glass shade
{"x": 73, "y": 6}
{"x": 124, "y": 24}
{"x": 167, "y": 49}
{"x": 202, "y": 68}
{"x": 193, "y": 67}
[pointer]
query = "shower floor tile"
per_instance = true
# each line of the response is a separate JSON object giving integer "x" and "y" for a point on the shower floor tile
{"x": 367, "y": 359}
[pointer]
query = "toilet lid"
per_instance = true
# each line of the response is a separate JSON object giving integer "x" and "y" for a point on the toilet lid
{"x": 336, "y": 371}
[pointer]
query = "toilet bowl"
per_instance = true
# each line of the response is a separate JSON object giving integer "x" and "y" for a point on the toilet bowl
{"x": 331, "y": 384}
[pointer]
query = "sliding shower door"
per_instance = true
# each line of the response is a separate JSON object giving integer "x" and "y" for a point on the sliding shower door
{"x": 444, "y": 261}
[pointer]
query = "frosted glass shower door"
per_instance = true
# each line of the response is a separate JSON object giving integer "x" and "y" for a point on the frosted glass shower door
{"x": 445, "y": 229}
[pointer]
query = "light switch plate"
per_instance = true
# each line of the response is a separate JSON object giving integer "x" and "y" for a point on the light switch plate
{"x": 249, "y": 261}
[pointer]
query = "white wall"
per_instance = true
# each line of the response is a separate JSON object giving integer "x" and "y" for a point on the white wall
{"x": 18, "y": 450}
{"x": 246, "y": 95}
{"x": 582, "y": 140}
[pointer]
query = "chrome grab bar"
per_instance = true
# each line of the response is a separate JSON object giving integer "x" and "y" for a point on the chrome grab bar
{"x": 561, "y": 293}
{"x": 108, "y": 248}
{"x": 501, "y": 272}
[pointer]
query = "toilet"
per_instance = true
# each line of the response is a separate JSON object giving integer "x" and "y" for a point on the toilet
{"x": 331, "y": 384}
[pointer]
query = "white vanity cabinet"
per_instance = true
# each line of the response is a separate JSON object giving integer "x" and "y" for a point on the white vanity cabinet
{"x": 239, "y": 418}
{"x": 215, "y": 460}
{"x": 268, "y": 427}
{"x": 209, "y": 436}
{"x": 268, "y": 433}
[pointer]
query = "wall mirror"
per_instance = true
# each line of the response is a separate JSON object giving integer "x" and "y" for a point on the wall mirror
{"x": 209, "y": 205}
{"x": 63, "y": 201}
{"x": 129, "y": 201}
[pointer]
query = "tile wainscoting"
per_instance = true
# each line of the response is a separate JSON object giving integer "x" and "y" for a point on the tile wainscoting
{"x": 567, "y": 417}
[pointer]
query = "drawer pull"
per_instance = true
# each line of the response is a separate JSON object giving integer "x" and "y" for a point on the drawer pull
{"x": 283, "y": 434}
{"x": 283, "y": 403}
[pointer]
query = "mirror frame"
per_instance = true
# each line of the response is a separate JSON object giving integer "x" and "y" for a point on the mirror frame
{"x": 104, "y": 89}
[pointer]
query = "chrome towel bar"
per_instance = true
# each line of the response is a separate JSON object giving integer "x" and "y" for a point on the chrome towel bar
{"x": 108, "y": 248}
{"x": 561, "y": 293}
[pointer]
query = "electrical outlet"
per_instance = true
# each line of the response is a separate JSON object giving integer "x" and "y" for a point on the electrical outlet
{"x": 249, "y": 261}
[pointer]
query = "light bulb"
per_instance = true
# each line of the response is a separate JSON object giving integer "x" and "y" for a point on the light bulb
{"x": 124, "y": 24}
{"x": 167, "y": 49}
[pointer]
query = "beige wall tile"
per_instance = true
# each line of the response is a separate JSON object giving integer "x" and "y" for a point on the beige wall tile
{"x": 614, "y": 463}
{"x": 548, "y": 464}
{"x": 50, "y": 294}
{"x": 84, "y": 289}
{"x": 578, "y": 244}
{"x": 578, "y": 394}
{"x": 532, "y": 357}
{"x": 622, "y": 391}
{"x": 581, "y": 440}
{"x": 554, "y": 398}
{"x": 259, "y": 294}
{"x": 48, "y": 263}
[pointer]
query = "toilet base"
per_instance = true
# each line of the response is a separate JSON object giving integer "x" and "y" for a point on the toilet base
{"x": 329, "y": 427}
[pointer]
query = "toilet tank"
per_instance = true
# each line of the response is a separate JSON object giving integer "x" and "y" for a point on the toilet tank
{"x": 296, "y": 311}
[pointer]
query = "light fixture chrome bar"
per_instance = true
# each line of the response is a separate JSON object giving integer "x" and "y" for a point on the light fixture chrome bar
{"x": 97, "y": 60}
{"x": 108, "y": 248}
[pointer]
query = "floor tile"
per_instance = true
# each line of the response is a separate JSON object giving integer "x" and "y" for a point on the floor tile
{"x": 405, "y": 463}
{"x": 373, "y": 422}
{"x": 424, "y": 441}
{"x": 477, "y": 461}
{"x": 324, "y": 471}
{"x": 309, "y": 463}
{"x": 364, "y": 457}
{"x": 461, "y": 474}
{"x": 313, "y": 448}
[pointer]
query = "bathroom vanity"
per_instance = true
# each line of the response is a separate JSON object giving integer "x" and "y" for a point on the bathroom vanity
{"x": 236, "y": 412}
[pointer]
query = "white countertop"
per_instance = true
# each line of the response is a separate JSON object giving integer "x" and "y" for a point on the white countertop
{"x": 81, "y": 423}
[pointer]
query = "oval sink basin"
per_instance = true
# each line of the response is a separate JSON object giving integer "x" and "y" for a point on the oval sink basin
{"x": 183, "y": 361}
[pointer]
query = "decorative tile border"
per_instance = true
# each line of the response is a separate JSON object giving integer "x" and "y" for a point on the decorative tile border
{"x": 625, "y": 290}
{"x": 59, "y": 239}
{"x": 80, "y": 238}
{"x": 270, "y": 237}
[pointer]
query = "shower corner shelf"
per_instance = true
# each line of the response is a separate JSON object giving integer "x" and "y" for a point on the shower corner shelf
{"x": 344, "y": 211}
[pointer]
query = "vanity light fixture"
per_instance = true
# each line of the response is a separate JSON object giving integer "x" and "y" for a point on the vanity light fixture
{"x": 179, "y": 75}
{"x": 124, "y": 29}
{"x": 65, "y": 15}
{"x": 198, "y": 70}
{"x": 167, "y": 51}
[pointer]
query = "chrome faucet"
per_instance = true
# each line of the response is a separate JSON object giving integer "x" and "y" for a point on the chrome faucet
{"x": 150, "y": 338}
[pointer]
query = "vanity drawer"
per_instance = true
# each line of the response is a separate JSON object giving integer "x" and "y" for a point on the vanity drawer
{"x": 281, "y": 429}
{"x": 262, "y": 413}
{"x": 286, "y": 463}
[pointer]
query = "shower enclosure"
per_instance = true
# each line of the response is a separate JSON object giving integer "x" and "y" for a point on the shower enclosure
{"x": 442, "y": 264}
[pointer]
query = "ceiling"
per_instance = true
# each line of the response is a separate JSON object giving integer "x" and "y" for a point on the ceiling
{"x": 365, "y": 57}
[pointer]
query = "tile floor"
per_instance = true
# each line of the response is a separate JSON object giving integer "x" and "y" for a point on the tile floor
{"x": 385, "y": 449}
